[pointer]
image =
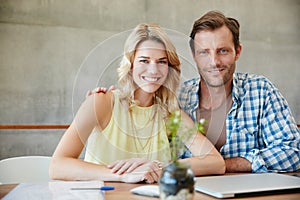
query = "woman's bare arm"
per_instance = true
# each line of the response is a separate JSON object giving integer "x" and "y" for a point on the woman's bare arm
{"x": 65, "y": 164}
{"x": 206, "y": 159}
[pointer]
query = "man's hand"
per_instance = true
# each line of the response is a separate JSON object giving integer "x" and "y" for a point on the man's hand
{"x": 99, "y": 90}
{"x": 238, "y": 164}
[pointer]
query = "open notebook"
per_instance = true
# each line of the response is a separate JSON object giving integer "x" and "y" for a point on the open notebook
{"x": 60, "y": 190}
{"x": 247, "y": 184}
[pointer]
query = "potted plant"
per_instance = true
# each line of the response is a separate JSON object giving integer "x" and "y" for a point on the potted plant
{"x": 177, "y": 179}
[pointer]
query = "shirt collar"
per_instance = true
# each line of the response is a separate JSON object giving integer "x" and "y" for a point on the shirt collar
{"x": 235, "y": 90}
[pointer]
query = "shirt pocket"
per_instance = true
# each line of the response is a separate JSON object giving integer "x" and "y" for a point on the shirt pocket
{"x": 243, "y": 139}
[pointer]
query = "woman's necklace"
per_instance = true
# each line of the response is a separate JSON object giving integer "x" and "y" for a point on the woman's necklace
{"x": 140, "y": 145}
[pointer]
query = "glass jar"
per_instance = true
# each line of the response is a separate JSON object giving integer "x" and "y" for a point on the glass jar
{"x": 177, "y": 182}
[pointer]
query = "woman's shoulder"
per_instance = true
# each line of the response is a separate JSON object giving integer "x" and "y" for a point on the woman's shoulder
{"x": 102, "y": 95}
{"x": 102, "y": 104}
{"x": 102, "y": 99}
{"x": 99, "y": 100}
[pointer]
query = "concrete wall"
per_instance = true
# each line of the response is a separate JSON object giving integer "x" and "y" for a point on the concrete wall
{"x": 47, "y": 63}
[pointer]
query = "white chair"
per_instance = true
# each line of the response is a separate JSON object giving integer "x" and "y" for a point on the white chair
{"x": 24, "y": 169}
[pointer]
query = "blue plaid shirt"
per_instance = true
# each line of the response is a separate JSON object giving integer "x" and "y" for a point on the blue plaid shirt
{"x": 259, "y": 125}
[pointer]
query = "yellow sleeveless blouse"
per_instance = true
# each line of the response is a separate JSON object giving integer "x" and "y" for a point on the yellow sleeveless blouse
{"x": 140, "y": 133}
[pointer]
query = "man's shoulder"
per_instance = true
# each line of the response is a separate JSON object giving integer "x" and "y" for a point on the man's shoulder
{"x": 246, "y": 84}
{"x": 192, "y": 81}
{"x": 189, "y": 86}
{"x": 249, "y": 76}
{"x": 188, "y": 91}
{"x": 247, "y": 79}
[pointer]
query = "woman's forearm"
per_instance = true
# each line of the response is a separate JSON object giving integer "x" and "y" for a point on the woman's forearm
{"x": 74, "y": 169}
{"x": 206, "y": 164}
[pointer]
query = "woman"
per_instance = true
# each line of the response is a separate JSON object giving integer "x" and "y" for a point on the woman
{"x": 125, "y": 129}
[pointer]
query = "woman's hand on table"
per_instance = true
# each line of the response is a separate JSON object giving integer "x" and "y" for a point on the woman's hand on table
{"x": 122, "y": 166}
{"x": 137, "y": 169}
{"x": 148, "y": 172}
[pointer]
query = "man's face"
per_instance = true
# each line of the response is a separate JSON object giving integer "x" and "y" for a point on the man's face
{"x": 215, "y": 56}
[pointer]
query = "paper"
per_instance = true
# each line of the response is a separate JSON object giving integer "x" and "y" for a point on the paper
{"x": 56, "y": 190}
{"x": 146, "y": 190}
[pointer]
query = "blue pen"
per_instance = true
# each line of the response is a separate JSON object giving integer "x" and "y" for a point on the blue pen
{"x": 107, "y": 188}
{"x": 104, "y": 188}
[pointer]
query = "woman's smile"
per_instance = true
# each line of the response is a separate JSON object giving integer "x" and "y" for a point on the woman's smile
{"x": 150, "y": 79}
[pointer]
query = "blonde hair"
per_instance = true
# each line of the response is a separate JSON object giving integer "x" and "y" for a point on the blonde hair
{"x": 166, "y": 94}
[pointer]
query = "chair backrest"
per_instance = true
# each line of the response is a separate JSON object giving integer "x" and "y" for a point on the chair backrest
{"x": 24, "y": 169}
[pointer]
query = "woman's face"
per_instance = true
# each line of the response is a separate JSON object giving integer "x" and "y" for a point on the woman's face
{"x": 150, "y": 66}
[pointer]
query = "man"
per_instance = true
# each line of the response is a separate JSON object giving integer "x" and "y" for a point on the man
{"x": 249, "y": 121}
